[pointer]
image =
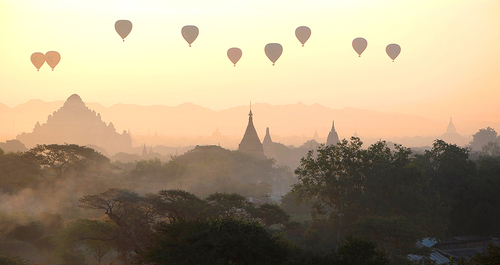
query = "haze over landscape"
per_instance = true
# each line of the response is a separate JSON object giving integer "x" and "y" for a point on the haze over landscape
{"x": 290, "y": 124}
{"x": 131, "y": 132}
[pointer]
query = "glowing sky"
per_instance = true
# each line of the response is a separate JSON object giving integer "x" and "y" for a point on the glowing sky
{"x": 449, "y": 63}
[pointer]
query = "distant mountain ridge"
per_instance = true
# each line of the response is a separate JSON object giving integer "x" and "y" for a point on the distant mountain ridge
{"x": 191, "y": 120}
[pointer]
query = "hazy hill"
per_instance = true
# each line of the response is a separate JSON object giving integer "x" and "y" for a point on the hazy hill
{"x": 292, "y": 123}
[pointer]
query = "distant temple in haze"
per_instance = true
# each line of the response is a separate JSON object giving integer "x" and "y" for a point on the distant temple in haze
{"x": 451, "y": 135}
{"x": 269, "y": 146}
{"x": 251, "y": 143}
{"x": 333, "y": 137}
{"x": 74, "y": 123}
{"x": 451, "y": 128}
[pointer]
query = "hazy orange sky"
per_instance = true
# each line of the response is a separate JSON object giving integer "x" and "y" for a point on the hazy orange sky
{"x": 449, "y": 64}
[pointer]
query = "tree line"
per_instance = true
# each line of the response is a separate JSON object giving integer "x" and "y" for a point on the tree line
{"x": 381, "y": 199}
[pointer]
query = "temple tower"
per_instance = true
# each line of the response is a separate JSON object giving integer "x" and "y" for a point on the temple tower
{"x": 251, "y": 143}
{"x": 333, "y": 137}
{"x": 451, "y": 128}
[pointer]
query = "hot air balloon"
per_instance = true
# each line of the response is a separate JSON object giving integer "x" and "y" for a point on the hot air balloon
{"x": 273, "y": 51}
{"x": 123, "y": 28}
{"x": 190, "y": 33}
{"x": 393, "y": 50}
{"x": 234, "y": 54}
{"x": 52, "y": 58}
{"x": 359, "y": 45}
{"x": 38, "y": 59}
{"x": 303, "y": 33}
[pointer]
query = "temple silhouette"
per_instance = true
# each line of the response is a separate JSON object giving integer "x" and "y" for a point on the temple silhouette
{"x": 75, "y": 123}
{"x": 333, "y": 137}
{"x": 250, "y": 143}
{"x": 451, "y": 135}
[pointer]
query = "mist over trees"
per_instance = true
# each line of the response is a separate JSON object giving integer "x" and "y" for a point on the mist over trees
{"x": 70, "y": 204}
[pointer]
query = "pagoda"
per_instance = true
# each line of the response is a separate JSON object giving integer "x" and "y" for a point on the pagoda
{"x": 333, "y": 137}
{"x": 251, "y": 143}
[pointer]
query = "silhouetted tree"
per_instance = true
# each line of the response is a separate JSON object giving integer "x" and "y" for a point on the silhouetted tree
{"x": 270, "y": 214}
{"x": 349, "y": 185}
{"x": 54, "y": 161}
{"x": 132, "y": 213}
{"x": 482, "y": 137}
{"x": 13, "y": 146}
{"x": 490, "y": 257}
{"x": 95, "y": 236}
{"x": 16, "y": 173}
{"x": 214, "y": 241}
{"x": 5, "y": 260}
{"x": 176, "y": 205}
{"x": 358, "y": 251}
{"x": 227, "y": 205}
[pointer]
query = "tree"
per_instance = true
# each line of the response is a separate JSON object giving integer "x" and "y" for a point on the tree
{"x": 491, "y": 149}
{"x": 358, "y": 251}
{"x": 482, "y": 137}
{"x": 52, "y": 223}
{"x": 92, "y": 235}
{"x": 395, "y": 236}
{"x": 176, "y": 205}
{"x": 16, "y": 173}
{"x": 282, "y": 180}
{"x": 5, "y": 260}
{"x": 452, "y": 176}
{"x": 226, "y": 205}
{"x": 214, "y": 241}
{"x": 299, "y": 211}
{"x": 477, "y": 205}
{"x": 13, "y": 146}
{"x": 332, "y": 176}
{"x": 132, "y": 213}
{"x": 347, "y": 185}
{"x": 270, "y": 214}
{"x": 490, "y": 257}
{"x": 54, "y": 161}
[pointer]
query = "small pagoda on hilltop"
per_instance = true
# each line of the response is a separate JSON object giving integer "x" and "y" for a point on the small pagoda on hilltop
{"x": 74, "y": 123}
{"x": 251, "y": 143}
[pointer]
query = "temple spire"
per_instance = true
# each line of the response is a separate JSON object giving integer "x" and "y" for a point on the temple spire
{"x": 333, "y": 137}
{"x": 251, "y": 143}
{"x": 451, "y": 128}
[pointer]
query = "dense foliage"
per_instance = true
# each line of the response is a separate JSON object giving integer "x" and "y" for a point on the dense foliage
{"x": 348, "y": 201}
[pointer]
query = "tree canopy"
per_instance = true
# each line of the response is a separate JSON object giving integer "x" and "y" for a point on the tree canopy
{"x": 370, "y": 190}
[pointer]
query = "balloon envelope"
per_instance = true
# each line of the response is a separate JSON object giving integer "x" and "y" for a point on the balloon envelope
{"x": 38, "y": 59}
{"x": 359, "y": 45}
{"x": 123, "y": 28}
{"x": 303, "y": 33}
{"x": 273, "y": 51}
{"x": 190, "y": 33}
{"x": 393, "y": 50}
{"x": 52, "y": 58}
{"x": 234, "y": 54}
